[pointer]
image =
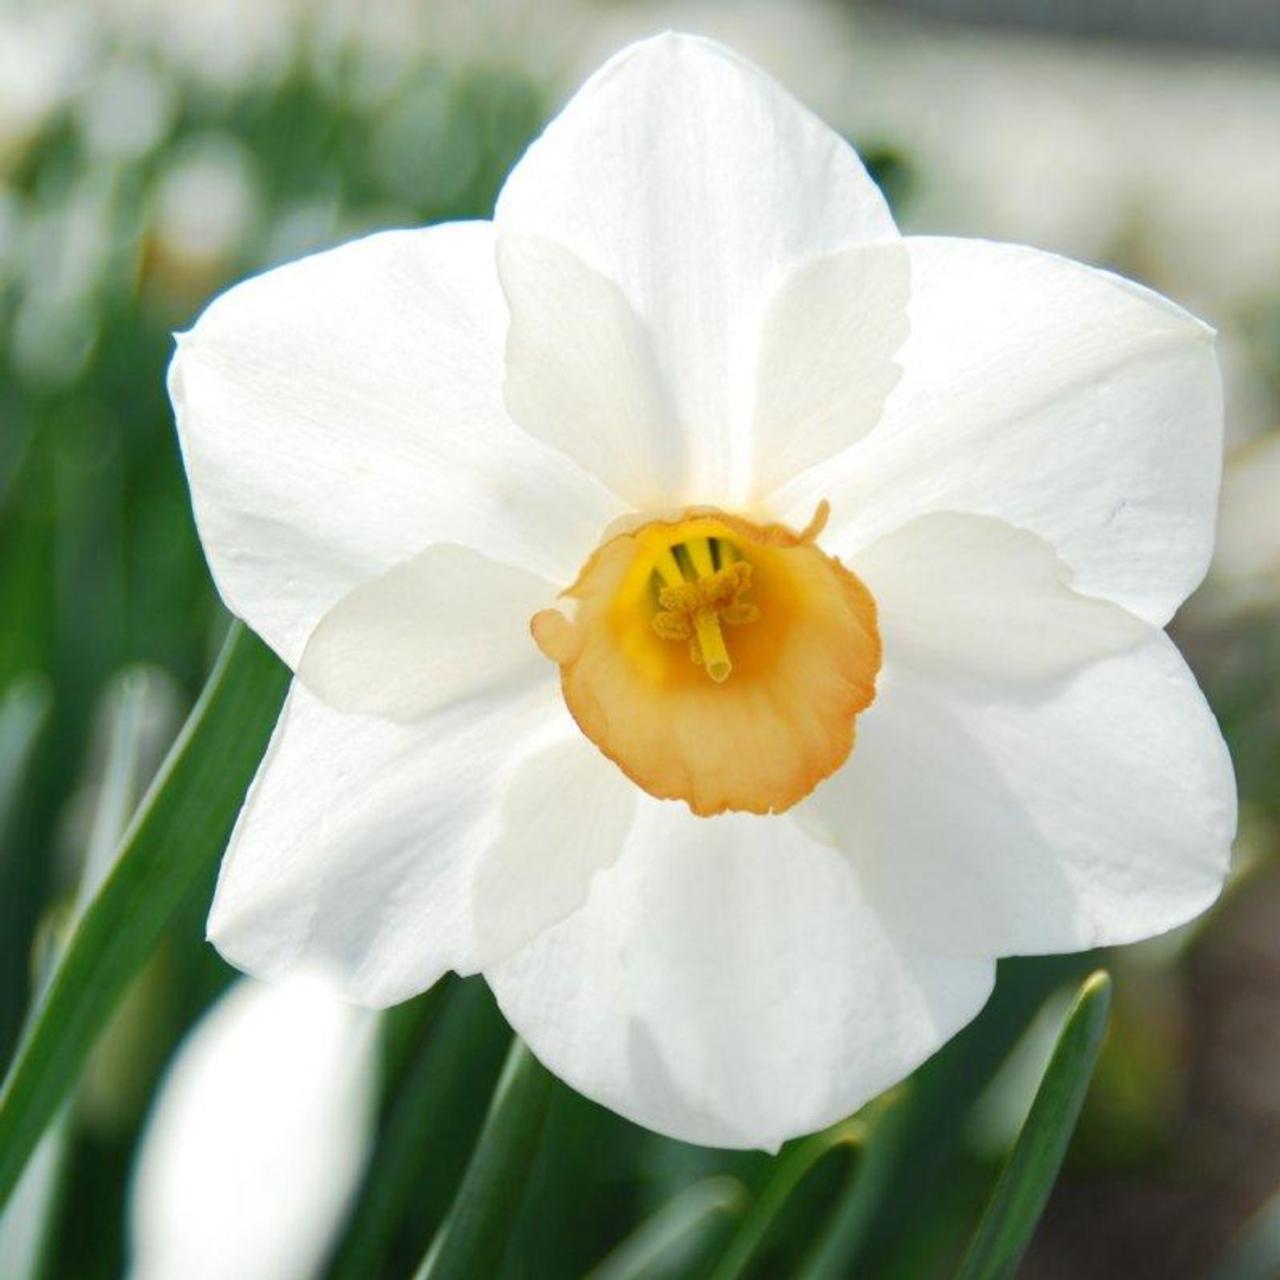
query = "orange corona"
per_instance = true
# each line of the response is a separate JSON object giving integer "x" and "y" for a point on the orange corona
{"x": 716, "y": 660}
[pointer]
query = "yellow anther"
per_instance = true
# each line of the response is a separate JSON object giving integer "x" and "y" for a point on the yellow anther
{"x": 672, "y": 626}
{"x": 684, "y": 597}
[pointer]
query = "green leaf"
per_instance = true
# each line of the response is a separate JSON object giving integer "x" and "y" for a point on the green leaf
{"x": 835, "y": 1250}
{"x": 793, "y": 1166}
{"x": 1023, "y": 1188}
{"x": 28, "y": 1221}
{"x": 23, "y": 711}
{"x": 175, "y": 838}
{"x": 914, "y": 1229}
{"x": 429, "y": 1125}
{"x": 670, "y": 1242}
{"x": 474, "y": 1236}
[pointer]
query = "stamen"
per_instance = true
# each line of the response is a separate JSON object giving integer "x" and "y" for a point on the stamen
{"x": 699, "y": 585}
{"x": 668, "y": 568}
{"x": 700, "y": 557}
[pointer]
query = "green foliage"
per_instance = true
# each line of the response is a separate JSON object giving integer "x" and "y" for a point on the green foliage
{"x": 176, "y": 836}
{"x": 793, "y": 1168}
{"x": 433, "y": 1110}
{"x": 1023, "y": 1189}
{"x": 473, "y": 1238}
{"x": 679, "y": 1235}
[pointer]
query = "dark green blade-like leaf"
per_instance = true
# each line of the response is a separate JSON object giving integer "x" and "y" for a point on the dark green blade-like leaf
{"x": 429, "y": 1125}
{"x": 175, "y": 838}
{"x": 835, "y": 1250}
{"x": 669, "y": 1242}
{"x": 474, "y": 1236}
{"x": 793, "y": 1166}
{"x": 23, "y": 711}
{"x": 1022, "y": 1191}
{"x": 912, "y": 1232}
{"x": 28, "y": 1222}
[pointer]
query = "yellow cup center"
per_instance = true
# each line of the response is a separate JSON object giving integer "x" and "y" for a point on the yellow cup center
{"x": 717, "y": 660}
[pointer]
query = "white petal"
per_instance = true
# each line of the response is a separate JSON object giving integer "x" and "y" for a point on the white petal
{"x": 962, "y": 595}
{"x": 1059, "y": 398}
{"x": 1012, "y": 819}
{"x": 357, "y": 845}
{"x": 257, "y": 1138}
{"x": 826, "y": 363}
{"x": 582, "y": 375}
{"x": 445, "y": 625}
{"x": 339, "y": 414}
{"x": 727, "y": 984}
{"x": 696, "y": 184}
{"x": 540, "y": 868}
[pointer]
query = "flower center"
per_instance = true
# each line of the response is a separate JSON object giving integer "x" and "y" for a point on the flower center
{"x": 666, "y": 612}
{"x": 699, "y": 584}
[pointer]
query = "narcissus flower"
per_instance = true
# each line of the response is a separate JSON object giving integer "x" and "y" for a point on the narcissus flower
{"x": 725, "y": 623}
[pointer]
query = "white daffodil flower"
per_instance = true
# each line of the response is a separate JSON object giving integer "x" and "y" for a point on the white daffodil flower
{"x": 257, "y": 1138}
{"x": 725, "y": 623}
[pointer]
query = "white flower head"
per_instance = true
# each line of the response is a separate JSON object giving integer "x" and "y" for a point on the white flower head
{"x": 257, "y": 1139}
{"x": 725, "y": 623}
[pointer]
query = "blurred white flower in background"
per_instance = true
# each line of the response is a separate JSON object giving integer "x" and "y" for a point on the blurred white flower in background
{"x": 125, "y": 109}
{"x": 63, "y": 250}
{"x": 205, "y": 204}
{"x": 257, "y": 1138}
{"x": 43, "y": 53}
{"x": 227, "y": 46}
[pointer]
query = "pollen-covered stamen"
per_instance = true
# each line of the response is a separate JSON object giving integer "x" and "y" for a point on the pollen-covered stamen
{"x": 692, "y": 608}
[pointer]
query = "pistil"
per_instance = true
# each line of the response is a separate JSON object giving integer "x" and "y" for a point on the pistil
{"x": 711, "y": 646}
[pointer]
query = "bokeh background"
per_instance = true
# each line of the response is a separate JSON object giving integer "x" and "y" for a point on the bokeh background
{"x": 152, "y": 151}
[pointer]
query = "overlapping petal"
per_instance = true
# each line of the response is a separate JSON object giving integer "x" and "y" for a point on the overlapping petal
{"x": 582, "y": 373}
{"x": 728, "y": 983}
{"x": 445, "y": 625}
{"x": 357, "y": 845}
{"x": 827, "y": 359}
{"x": 968, "y": 597}
{"x": 1057, "y": 397}
{"x": 1022, "y": 793}
{"x": 341, "y": 413}
{"x": 696, "y": 184}
{"x": 565, "y": 816}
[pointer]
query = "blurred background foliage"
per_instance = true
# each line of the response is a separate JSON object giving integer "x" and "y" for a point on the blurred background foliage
{"x": 152, "y": 151}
